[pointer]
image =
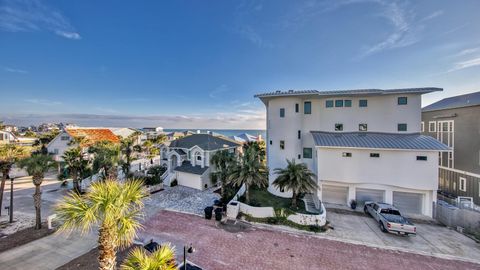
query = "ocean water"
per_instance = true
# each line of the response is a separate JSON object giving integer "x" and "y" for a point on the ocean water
{"x": 225, "y": 132}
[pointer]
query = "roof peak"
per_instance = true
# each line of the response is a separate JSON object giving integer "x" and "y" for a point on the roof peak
{"x": 372, "y": 91}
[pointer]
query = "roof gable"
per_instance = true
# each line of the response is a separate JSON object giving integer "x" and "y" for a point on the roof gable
{"x": 203, "y": 141}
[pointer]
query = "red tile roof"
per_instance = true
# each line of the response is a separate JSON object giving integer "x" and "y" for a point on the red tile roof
{"x": 93, "y": 135}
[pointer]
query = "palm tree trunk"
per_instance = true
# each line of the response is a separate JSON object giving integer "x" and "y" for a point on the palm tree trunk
{"x": 37, "y": 201}
{"x": 76, "y": 185}
{"x": 107, "y": 256}
{"x": 2, "y": 188}
{"x": 247, "y": 195}
{"x": 294, "y": 200}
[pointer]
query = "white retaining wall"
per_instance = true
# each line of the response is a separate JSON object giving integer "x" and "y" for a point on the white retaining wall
{"x": 258, "y": 212}
{"x": 307, "y": 219}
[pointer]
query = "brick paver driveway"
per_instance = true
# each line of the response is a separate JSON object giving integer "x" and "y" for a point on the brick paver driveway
{"x": 255, "y": 248}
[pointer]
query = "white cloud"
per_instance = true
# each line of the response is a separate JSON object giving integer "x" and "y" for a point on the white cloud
{"x": 34, "y": 15}
{"x": 217, "y": 92}
{"x": 15, "y": 70}
{"x": 44, "y": 102}
{"x": 467, "y": 51}
{"x": 433, "y": 15}
{"x": 466, "y": 64}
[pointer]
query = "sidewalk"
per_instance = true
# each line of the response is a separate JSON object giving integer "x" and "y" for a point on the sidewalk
{"x": 48, "y": 252}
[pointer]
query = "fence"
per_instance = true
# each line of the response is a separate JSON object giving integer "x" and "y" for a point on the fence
{"x": 463, "y": 219}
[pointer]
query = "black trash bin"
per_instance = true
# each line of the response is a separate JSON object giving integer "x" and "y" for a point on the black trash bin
{"x": 218, "y": 214}
{"x": 208, "y": 212}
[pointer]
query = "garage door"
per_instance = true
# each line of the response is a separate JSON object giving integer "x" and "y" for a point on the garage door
{"x": 363, "y": 194}
{"x": 189, "y": 180}
{"x": 334, "y": 194}
{"x": 406, "y": 202}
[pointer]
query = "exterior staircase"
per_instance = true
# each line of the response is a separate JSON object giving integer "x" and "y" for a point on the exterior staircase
{"x": 310, "y": 205}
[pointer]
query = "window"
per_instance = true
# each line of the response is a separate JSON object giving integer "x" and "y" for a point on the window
{"x": 299, "y": 156}
{"x": 348, "y": 103}
{"x": 362, "y": 103}
{"x": 329, "y": 103}
{"x": 1, "y": 136}
{"x": 282, "y": 145}
{"x": 282, "y": 112}
{"x": 338, "y": 127}
{"x": 339, "y": 103}
{"x": 307, "y": 152}
{"x": 299, "y": 134}
{"x": 346, "y": 154}
{"x": 422, "y": 158}
{"x": 64, "y": 138}
{"x": 402, "y": 127}
{"x": 375, "y": 155}
{"x": 422, "y": 127}
{"x": 402, "y": 101}
{"x": 463, "y": 184}
{"x": 199, "y": 157}
{"x": 307, "y": 107}
{"x": 362, "y": 127}
{"x": 55, "y": 151}
{"x": 297, "y": 107}
{"x": 271, "y": 142}
{"x": 432, "y": 126}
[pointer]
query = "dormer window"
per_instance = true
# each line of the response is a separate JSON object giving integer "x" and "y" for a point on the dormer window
{"x": 199, "y": 157}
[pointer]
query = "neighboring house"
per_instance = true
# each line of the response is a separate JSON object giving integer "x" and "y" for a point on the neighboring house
{"x": 455, "y": 121}
{"x": 123, "y": 132}
{"x": 90, "y": 136}
{"x": 246, "y": 138}
{"x": 10, "y": 128}
{"x": 178, "y": 134}
{"x": 7, "y": 137}
{"x": 188, "y": 158}
{"x": 361, "y": 144}
{"x": 152, "y": 132}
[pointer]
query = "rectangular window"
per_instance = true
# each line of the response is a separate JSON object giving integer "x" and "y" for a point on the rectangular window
{"x": 346, "y": 154}
{"x": 282, "y": 112}
{"x": 339, "y": 103}
{"x": 271, "y": 142}
{"x": 299, "y": 156}
{"x": 199, "y": 158}
{"x": 375, "y": 155}
{"x": 297, "y": 107}
{"x": 432, "y": 126}
{"x": 463, "y": 184}
{"x": 402, "y": 127}
{"x": 402, "y": 101}
{"x": 282, "y": 145}
{"x": 338, "y": 127}
{"x": 64, "y": 138}
{"x": 362, "y": 127}
{"x": 55, "y": 151}
{"x": 329, "y": 103}
{"x": 362, "y": 103}
{"x": 299, "y": 134}
{"x": 422, "y": 158}
{"x": 307, "y": 153}
{"x": 307, "y": 107}
{"x": 348, "y": 103}
{"x": 422, "y": 127}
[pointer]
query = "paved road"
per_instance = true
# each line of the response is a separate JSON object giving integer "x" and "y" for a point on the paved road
{"x": 48, "y": 252}
{"x": 255, "y": 248}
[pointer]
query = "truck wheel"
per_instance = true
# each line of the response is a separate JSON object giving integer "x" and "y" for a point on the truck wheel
{"x": 365, "y": 210}
{"x": 382, "y": 228}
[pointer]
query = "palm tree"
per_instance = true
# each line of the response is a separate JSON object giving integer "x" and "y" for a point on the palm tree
{"x": 249, "y": 171}
{"x": 297, "y": 178}
{"x": 126, "y": 147}
{"x": 258, "y": 147}
{"x": 223, "y": 162}
{"x": 9, "y": 155}
{"x": 107, "y": 157}
{"x": 161, "y": 259}
{"x": 76, "y": 165}
{"x": 36, "y": 166}
{"x": 114, "y": 207}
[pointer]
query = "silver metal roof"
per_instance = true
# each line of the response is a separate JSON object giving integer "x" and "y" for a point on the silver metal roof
{"x": 353, "y": 92}
{"x": 472, "y": 99}
{"x": 412, "y": 141}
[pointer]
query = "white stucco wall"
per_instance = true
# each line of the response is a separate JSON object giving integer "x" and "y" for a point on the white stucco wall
{"x": 61, "y": 145}
{"x": 393, "y": 167}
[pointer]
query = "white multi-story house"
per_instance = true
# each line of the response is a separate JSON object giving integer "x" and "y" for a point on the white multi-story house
{"x": 361, "y": 144}
{"x": 188, "y": 158}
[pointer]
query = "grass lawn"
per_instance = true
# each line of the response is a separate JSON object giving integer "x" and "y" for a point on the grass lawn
{"x": 263, "y": 198}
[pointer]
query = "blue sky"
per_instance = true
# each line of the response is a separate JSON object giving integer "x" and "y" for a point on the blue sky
{"x": 197, "y": 64}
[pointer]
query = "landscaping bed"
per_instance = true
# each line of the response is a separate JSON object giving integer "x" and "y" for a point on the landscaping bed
{"x": 282, "y": 220}
{"x": 263, "y": 198}
{"x": 23, "y": 236}
{"x": 89, "y": 260}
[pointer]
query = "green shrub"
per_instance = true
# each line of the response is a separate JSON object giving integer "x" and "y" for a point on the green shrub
{"x": 174, "y": 183}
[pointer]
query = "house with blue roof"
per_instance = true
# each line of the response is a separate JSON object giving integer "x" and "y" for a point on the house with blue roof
{"x": 362, "y": 145}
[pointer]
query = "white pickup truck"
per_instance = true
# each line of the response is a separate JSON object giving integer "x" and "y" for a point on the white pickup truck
{"x": 389, "y": 218}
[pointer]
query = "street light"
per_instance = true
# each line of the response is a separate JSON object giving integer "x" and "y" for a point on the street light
{"x": 190, "y": 249}
{"x": 11, "y": 176}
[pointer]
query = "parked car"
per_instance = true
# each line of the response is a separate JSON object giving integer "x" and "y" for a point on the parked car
{"x": 389, "y": 218}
